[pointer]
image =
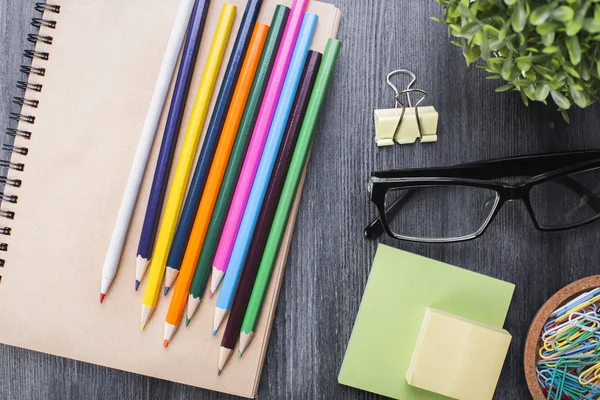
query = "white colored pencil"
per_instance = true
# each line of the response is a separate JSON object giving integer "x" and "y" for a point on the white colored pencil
{"x": 159, "y": 98}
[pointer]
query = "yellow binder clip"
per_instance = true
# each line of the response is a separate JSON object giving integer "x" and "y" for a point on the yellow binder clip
{"x": 406, "y": 124}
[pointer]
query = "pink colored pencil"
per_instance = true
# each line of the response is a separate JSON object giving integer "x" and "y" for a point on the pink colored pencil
{"x": 257, "y": 143}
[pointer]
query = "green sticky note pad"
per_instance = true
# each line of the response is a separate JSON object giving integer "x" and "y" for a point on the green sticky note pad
{"x": 400, "y": 288}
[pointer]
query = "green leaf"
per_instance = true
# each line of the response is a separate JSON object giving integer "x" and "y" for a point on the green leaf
{"x": 519, "y": 18}
{"x": 469, "y": 30}
{"x": 540, "y": 14}
{"x": 505, "y": 88}
{"x": 550, "y": 50}
{"x": 591, "y": 25}
{"x": 548, "y": 28}
{"x": 571, "y": 71}
{"x": 579, "y": 97}
{"x": 473, "y": 54}
{"x": 436, "y": 19}
{"x": 493, "y": 77}
{"x": 576, "y": 24}
{"x": 566, "y": 117}
{"x": 507, "y": 66}
{"x": 563, "y": 14}
{"x": 558, "y": 81}
{"x": 574, "y": 49}
{"x": 542, "y": 90}
{"x": 522, "y": 82}
{"x": 560, "y": 100}
{"x": 510, "y": 2}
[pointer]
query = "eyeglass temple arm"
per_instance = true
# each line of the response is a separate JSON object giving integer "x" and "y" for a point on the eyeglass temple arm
{"x": 375, "y": 228}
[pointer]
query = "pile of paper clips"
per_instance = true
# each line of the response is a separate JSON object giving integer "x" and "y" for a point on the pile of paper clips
{"x": 569, "y": 363}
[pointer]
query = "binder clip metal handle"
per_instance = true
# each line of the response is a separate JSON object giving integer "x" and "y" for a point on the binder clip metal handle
{"x": 402, "y": 124}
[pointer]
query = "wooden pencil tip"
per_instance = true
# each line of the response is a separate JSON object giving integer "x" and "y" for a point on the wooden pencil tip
{"x": 219, "y": 373}
{"x": 211, "y": 294}
{"x": 187, "y": 321}
{"x": 102, "y": 297}
{"x": 240, "y": 354}
{"x": 165, "y": 343}
{"x": 137, "y": 285}
{"x": 166, "y": 290}
{"x": 215, "y": 332}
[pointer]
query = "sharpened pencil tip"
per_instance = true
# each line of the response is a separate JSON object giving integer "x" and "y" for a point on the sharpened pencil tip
{"x": 240, "y": 353}
{"x": 166, "y": 290}
{"x": 210, "y": 296}
{"x": 187, "y": 321}
{"x": 215, "y": 332}
{"x": 219, "y": 374}
{"x": 137, "y": 285}
{"x": 102, "y": 297}
{"x": 142, "y": 327}
{"x": 165, "y": 343}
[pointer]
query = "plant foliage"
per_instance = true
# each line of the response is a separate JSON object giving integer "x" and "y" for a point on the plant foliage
{"x": 541, "y": 48}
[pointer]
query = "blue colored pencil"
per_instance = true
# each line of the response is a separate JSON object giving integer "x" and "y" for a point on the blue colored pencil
{"x": 192, "y": 201}
{"x": 265, "y": 168}
{"x": 169, "y": 141}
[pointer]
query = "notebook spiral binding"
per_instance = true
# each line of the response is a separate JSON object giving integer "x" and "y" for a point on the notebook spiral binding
{"x": 24, "y": 117}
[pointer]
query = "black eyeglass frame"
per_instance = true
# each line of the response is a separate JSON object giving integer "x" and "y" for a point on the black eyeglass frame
{"x": 542, "y": 168}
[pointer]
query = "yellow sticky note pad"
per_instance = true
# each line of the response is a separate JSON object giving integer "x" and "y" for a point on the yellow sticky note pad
{"x": 457, "y": 357}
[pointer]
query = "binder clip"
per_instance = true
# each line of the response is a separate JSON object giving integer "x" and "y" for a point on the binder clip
{"x": 406, "y": 124}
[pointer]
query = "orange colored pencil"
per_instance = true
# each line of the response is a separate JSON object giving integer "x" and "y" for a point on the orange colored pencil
{"x": 213, "y": 182}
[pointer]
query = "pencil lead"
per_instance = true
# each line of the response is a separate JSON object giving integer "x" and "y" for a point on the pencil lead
{"x": 187, "y": 321}
{"x": 240, "y": 354}
{"x": 137, "y": 285}
{"x": 165, "y": 343}
{"x": 215, "y": 332}
{"x": 219, "y": 373}
{"x": 211, "y": 294}
{"x": 166, "y": 290}
{"x": 102, "y": 297}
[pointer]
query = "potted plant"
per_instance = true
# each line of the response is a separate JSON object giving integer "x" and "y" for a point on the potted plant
{"x": 540, "y": 48}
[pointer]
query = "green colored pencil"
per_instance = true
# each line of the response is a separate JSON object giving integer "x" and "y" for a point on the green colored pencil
{"x": 236, "y": 159}
{"x": 289, "y": 193}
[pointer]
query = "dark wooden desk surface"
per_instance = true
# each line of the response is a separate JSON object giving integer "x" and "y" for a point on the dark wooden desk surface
{"x": 329, "y": 262}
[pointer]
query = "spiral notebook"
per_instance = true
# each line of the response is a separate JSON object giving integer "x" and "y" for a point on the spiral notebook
{"x": 93, "y": 75}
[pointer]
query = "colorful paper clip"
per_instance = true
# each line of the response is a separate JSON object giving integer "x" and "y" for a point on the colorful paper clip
{"x": 406, "y": 124}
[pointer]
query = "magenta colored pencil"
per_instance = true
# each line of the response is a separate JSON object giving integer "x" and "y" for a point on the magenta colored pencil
{"x": 257, "y": 143}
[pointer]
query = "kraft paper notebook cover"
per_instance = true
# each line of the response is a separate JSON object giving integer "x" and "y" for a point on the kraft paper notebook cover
{"x": 400, "y": 288}
{"x": 103, "y": 65}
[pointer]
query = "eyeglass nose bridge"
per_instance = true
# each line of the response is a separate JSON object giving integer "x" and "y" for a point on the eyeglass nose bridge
{"x": 515, "y": 192}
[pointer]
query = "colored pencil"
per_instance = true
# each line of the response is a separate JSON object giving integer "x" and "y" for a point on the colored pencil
{"x": 140, "y": 160}
{"x": 288, "y": 193}
{"x": 265, "y": 167}
{"x": 186, "y": 160}
{"x": 213, "y": 182}
{"x": 257, "y": 143}
{"x": 236, "y": 158}
{"x": 259, "y": 239}
{"x": 169, "y": 141}
{"x": 211, "y": 138}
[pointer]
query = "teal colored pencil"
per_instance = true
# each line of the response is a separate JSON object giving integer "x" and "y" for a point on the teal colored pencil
{"x": 289, "y": 193}
{"x": 236, "y": 159}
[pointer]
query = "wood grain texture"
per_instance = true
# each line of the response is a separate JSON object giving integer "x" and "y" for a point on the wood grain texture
{"x": 329, "y": 261}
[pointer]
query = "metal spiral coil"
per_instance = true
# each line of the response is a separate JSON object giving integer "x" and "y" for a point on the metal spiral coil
{"x": 23, "y": 101}
{"x": 42, "y": 55}
{"x": 36, "y": 87}
{"x": 41, "y": 7}
{"x": 39, "y": 22}
{"x": 27, "y": 69}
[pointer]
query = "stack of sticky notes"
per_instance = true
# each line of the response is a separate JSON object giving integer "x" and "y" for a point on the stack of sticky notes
{"x": 400, "y": 289}
{"x": 457, "y": 357}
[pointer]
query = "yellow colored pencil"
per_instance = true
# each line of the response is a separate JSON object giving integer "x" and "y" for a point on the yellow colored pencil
{"x": 186, "y": 162}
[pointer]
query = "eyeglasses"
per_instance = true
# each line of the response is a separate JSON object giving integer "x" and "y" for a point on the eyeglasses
{"x": 444, "y": 205}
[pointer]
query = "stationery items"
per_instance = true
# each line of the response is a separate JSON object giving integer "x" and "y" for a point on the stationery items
{"x": 400, "y": 288}
{"x": 265, "y": 218}
{"x": 265, "y": 167}
{"x": 67, "y": 218}
{"x": 211, "y": 138}
{"x": 457, "y": 357}
{"x": 169, "y": 140}
{"x": 235, "y": 160}
{"x": 213, "y": 182}
{"x": 402, "y": 124}
{"x": 291, "y": 185}
{"x": 256, "y": 146}
{"x": 185, "y": 162}
{"x": 140, "y": 160}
